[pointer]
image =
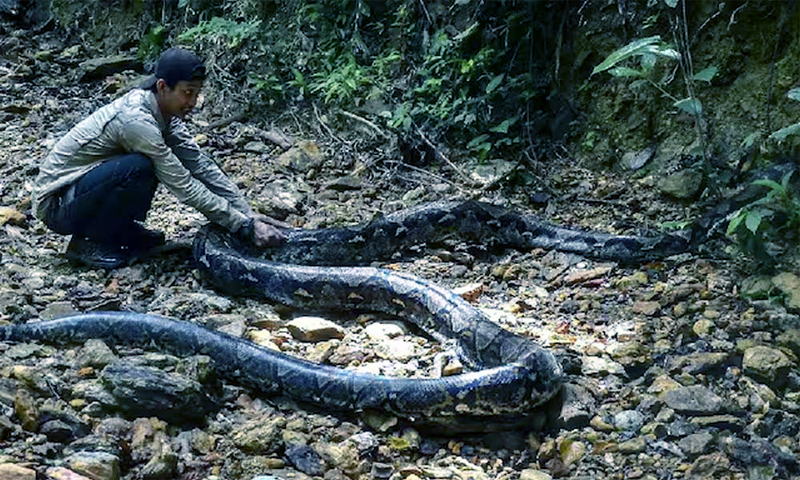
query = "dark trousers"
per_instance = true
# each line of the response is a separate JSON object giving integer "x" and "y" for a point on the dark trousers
{"x": 105, "y": 204}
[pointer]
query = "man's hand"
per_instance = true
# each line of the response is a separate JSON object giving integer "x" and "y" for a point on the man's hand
{"x": 260, "y": 217}
{"x": 265, "y": 234}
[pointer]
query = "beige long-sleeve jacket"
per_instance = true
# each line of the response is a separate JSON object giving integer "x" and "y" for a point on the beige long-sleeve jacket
{"x": 133, "y": 123}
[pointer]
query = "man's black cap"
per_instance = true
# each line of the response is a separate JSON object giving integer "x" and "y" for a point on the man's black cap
{"x": 177, "y": 64}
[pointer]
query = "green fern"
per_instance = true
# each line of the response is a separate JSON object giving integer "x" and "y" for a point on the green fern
{"x": 777, "y": 213}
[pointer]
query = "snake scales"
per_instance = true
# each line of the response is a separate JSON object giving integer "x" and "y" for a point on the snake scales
{"x": 510, "y": 374}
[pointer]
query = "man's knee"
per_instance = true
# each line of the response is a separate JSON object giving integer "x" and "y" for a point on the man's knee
{"x": 139, "y": 163}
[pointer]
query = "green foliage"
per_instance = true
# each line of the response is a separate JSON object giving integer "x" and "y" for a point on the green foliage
{"x": 647, "y": 50}
{"x": 269, "y": 86}
{"x": 221, "y": 31}
{"x": 706, "y": 75}
{"x": 465, "y": 75}
{"x": 776, "y": 214}
{"x": 643, "y": 55}
{"x": 454, "y": 90}
{"x": 338, "y": 83}
{"x": 436, "y": 79}
{"x": 793, "y": 129}
{"x": 151, "y": 44}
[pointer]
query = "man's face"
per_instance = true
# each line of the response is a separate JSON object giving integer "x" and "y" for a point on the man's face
{"x": 178, "y": 101}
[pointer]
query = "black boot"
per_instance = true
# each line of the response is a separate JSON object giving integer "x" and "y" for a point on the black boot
{"x": 142, "y": 239}
{"x": 81, "y": 250}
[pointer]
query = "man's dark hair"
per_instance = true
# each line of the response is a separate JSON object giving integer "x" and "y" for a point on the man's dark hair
{"x": 174, "y": 65}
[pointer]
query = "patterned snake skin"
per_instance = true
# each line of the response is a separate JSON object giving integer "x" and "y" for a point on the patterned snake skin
{"x": 511, "y": 374}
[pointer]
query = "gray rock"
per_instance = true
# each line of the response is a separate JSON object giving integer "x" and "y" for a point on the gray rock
{"x": 791, "y": 340}
{"x": 724, "y": 422}
{"x": 257, "y": 147}
{"x": 11, "y": 301}
{"x": 533, "y": 474}
{"x": 276, "y": 474}
{"x": 98, "y": 68}
{"x": 93, "y": 392}
{"x": 396, "y": 349}
{"x": 218, "y": 321}
{"x": 684, "y": 184}
{"x": 197, "y": 367}
{"x": 95, "y": 465}
{"x": 281, "y": 198}
{"x": 381, "y": 471}
{"x": 591, "y": 366}
{"x": 756, "y": 287}
{"x": 6, "y": 427}
{"x": 637, "y": 160}
{"x": 10, "y": 471}
{"x": 96, "y": 354}
{"x": 384, "y": 330}
{"x": 162, "y": 465}
{"x": 314, "y": 329}
{"x": 701, "y": 362}
{"x": 261, "y": 435}
{"x": 304, "y": 156}
{"x": 629, "y": 420}
{"x": 578, "y": 407}
{"x": 340, "y": 456}
{"x": 757, "y": 451}
{"x": 491, "y": 171}
{"x": 76, "y": 424}
{"x": 27, "y": 350}
{"x": 696, "y": 444}
{"x": 101, "y": 443}
{"x": 364, "y": 442}
{"x": 634, "y": 445}
{"x": 57, "y": 431}
{"x": 33, "y": 283}
{"x": 767, "y": 364}
{"x": 306, "y": 459}
{"x": 344, "y": 183}
{"x": 146, "y": 391}
{"x": 789, "y": 285}
{"x": 695, "y": 399}
{"x": 708, "y": 467}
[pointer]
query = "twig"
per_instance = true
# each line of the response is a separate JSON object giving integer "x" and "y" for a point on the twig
{"x": 278, "y": 138}
{"x": 559, "y": 42}
{"x": 425, "y": 172}
{"x": 732, "y": 20}
{"x": 325, "y": 125}
{"x": 224, "y": 122}
{"x": 366, "y": 122}
{"x": 532, "y": 162}
{"x": 442, "y": 156}
{"x": 600, "y": 201}
{"x": 425, "y": 9}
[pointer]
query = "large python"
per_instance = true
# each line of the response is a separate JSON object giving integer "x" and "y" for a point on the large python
{"x": 511, "y": 374}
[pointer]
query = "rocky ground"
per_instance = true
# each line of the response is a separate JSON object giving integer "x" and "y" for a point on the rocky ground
{"x": 671, "y": 373}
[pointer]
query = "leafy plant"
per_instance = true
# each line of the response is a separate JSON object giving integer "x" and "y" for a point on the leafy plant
{"x": 151, "y": 44}
{"x": 794, "y": 129}
{"x": 637, "y": 60}
{"x": 269, "y": 86}
{"x": 647, "y": 50}
{"x": 777, "y": 213}
{"x": 339, "y": 83}
{"x": 221, "y": 31}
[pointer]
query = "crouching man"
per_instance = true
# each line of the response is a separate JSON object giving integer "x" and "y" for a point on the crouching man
{"x": 98, "y": 182}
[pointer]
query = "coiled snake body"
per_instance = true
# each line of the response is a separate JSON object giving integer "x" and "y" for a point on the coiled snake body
{"x": 510, "y": 374}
